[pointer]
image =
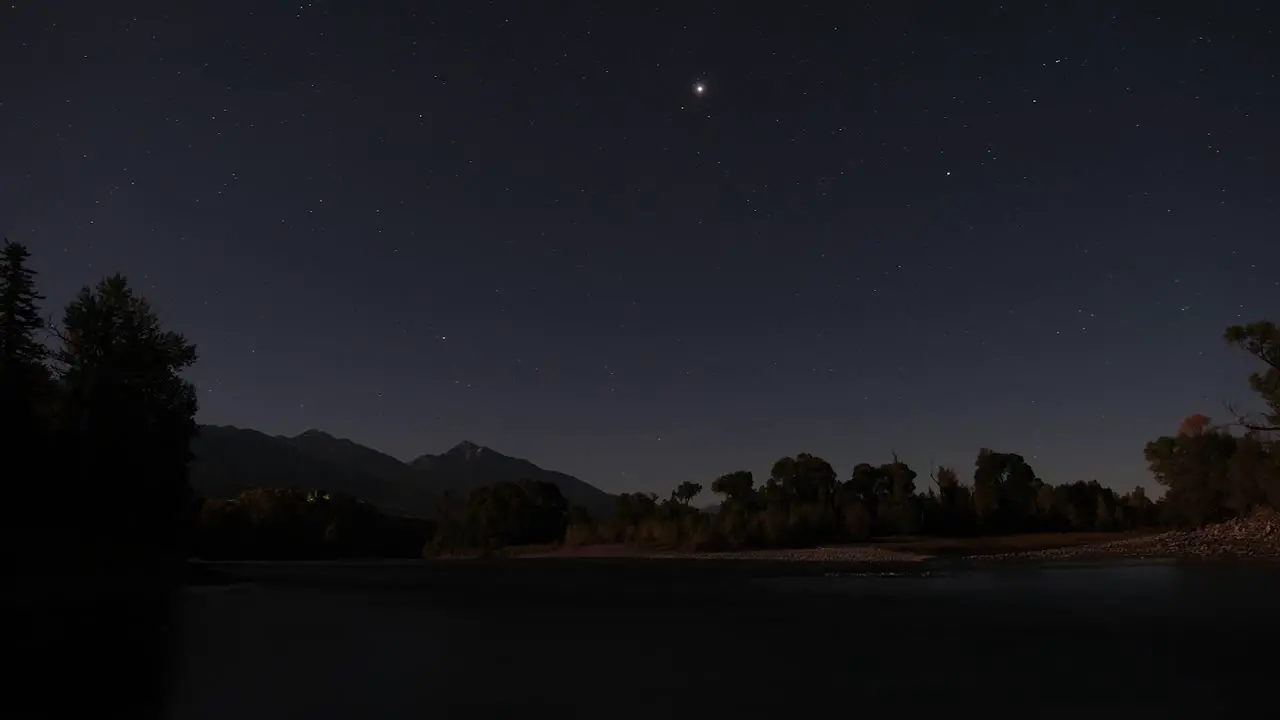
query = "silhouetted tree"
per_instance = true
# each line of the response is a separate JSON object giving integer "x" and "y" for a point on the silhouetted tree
{"x": 900, "y": 513}
{"x": 527, "y": 512}
{"x": 736, "y": 487}
{"x": 634, "y": 508}
{"x": 866, "y": 487}
{"x": 1005, "y": 488}
{"x": 1194, "y": 469}
{"x": 1250, "y": 477}
{"x": 801, "y": 501}
{"x": 125, "y": 419}
{"x": 734, "y": 523}
{"x": 1139, "y": 508}
{"x": 685, "y": 492}
{"x": 1262, "y": 340}
{"x": 24, "y": 391}
{"x": 21, "y": 348}
{"x": 22, "y": 354}
{"x": 804, "y": 479}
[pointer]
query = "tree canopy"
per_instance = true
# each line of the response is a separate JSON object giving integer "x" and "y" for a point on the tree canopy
{"x": 106, "y": 407}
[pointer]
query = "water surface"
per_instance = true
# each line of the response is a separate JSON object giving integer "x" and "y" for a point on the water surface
{"x": 1153, "y": 639}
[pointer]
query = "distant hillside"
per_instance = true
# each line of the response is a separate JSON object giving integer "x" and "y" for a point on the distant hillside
{"x": 468, "y": 466}
{"x": 345, "y": 453}
{"x": 229, "y": 460}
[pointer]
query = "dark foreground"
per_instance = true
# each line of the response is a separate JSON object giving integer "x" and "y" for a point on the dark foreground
{"x": 622, "y": 639}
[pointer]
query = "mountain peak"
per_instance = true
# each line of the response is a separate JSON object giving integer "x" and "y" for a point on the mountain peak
{"x": 466, "y": 449}
{"x": 317, "y": 434}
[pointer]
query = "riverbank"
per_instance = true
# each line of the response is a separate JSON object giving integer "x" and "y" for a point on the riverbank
{"x": 1253, "y": 537}
{"x": 1257, "y": 536}
{"x": 884, "y": 551}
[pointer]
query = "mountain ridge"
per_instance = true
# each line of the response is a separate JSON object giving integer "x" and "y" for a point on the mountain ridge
{"x": 229, "y": 459}
{"x": 467, "y": 466}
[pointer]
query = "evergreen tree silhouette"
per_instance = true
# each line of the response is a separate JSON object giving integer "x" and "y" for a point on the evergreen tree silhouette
{"x": 126, "y": 419}
{"x": 20, "y": 321}
{"x": 24, "y": 385}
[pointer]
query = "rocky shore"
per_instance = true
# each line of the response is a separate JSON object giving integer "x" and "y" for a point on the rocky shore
{"x": 1256, "y": 536}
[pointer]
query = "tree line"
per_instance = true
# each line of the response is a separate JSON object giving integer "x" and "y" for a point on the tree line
{"x": 98, "y": 422}
{"x": 804, "y": 502}
{"x": 1211, "y": 473}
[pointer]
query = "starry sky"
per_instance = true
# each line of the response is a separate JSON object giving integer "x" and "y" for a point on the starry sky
{"x": 911, "y": 226}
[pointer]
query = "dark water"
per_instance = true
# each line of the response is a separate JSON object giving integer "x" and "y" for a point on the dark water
{"x": 1140, "y": 589}
{"x": 607, "y": 639}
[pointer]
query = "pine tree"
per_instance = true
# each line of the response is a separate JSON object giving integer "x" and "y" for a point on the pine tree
{"x": 20, "y": 323}
{"x": 24, "y": 392}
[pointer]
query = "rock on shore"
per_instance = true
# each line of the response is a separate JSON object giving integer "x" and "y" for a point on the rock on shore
{"x": 1255, "y": 536}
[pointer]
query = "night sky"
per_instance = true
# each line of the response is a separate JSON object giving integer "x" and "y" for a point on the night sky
{"x": 902, "y": 226}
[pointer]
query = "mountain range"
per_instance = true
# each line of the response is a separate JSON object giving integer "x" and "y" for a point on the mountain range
{"x": 229, "y": 460}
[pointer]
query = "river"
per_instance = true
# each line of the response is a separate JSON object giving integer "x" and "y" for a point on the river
{"x": 392, "y": 640}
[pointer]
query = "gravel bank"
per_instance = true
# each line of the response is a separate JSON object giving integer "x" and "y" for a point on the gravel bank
{"x": 1257, "y": 536}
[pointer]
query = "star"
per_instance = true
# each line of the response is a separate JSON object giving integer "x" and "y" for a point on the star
{"x": 699, "y": 89}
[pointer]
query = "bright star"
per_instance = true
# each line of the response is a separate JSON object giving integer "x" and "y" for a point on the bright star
{"x": 699, "y": 88}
